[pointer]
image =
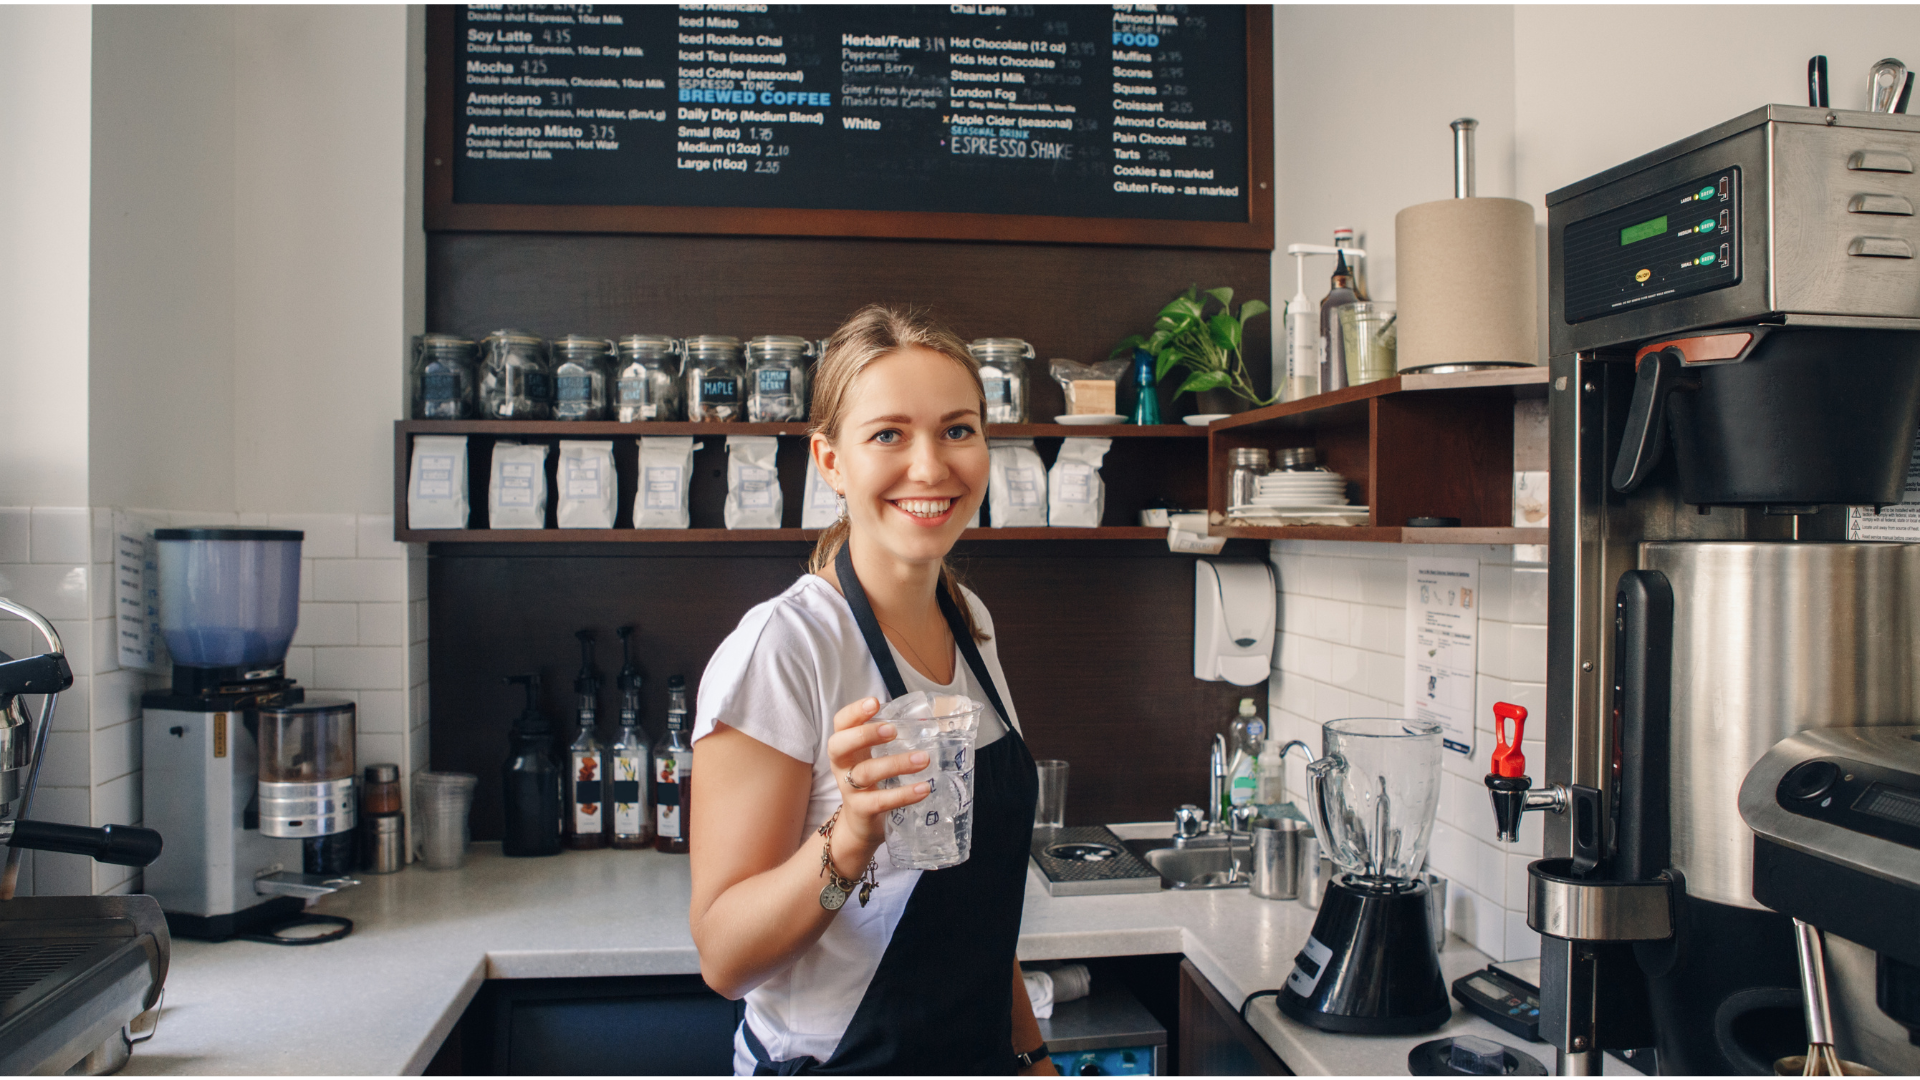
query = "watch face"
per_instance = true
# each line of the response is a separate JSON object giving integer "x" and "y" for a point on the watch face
{"x": 832, "y": 896}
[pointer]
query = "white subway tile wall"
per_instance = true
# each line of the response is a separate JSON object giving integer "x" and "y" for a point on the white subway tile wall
{"x": 362, "y": 636}
{"x": 1341, "y": 652}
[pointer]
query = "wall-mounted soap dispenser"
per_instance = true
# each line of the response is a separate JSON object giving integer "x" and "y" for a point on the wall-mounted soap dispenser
{"x": 1233, "y": 610}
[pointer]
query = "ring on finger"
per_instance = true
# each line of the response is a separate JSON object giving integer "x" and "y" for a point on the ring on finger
{"x": 851, "y": 784}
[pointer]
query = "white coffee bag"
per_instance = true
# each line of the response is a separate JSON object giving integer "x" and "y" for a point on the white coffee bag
{"x": 666, "y": 469}
{"x": 1076, "y": 496}
{"x": 517, "y": 486}
{"x": 753, "y": 482}
{"x": 822, "y": 506}
{"x": 588, "y": 492}
{"x": 1016, "y": 484}
{"x": 437, "y": 483}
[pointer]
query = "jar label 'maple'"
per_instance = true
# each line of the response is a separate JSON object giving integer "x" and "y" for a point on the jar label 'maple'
{"x": 723, "y": 389}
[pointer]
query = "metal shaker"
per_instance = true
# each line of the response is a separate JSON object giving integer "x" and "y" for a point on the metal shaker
{"x": 1278, "y": 849}
{"x": 386, "y": 844}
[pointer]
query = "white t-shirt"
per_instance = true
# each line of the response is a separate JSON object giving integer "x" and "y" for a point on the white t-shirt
{"x": 779, "y": 678}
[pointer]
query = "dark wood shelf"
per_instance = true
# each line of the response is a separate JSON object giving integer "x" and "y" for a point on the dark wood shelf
{"x": 1409, "y": 446}
{"x": 644, "y": 536}
{"x": 607, "y": 428}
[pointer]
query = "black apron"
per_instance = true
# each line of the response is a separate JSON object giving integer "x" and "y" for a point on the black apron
{"x": 941, "y": 1001}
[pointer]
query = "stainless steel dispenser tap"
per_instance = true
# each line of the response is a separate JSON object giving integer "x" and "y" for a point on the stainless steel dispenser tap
{"x": 1216, "y": 784}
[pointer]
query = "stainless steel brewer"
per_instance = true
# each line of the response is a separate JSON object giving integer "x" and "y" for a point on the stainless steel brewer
{"x": 1733, "y": 321}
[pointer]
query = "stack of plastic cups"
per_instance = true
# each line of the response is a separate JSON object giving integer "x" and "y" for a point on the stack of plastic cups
{"x": 440, "y": 804}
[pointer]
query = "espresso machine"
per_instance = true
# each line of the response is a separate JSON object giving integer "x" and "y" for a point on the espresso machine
{"x": 1735, "y": 328}
{"x": 251, "y": 781}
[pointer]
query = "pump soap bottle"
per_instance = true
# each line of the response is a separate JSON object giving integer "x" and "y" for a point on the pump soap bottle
{"x": 1303, "y": 332}
{"x": 629, "y": 762}
{"x": 586, "y": 767}
{"x": 1249, "y": 736}
{"x": 531, "y": 779}
{"x": 673, "y": 775}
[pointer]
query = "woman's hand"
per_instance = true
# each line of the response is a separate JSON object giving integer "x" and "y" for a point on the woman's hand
{"x": 864, "y": 805}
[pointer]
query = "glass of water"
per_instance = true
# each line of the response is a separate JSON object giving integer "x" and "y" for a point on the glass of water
{"x": 937, "y": 831}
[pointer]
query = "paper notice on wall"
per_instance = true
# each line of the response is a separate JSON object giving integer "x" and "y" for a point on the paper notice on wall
{"x": 1443, "y": 630}
{"x": 1898, "y": 522}
{"x": 136, "y": 594}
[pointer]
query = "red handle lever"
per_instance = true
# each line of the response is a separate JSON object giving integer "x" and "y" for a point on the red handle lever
{"x": 1507, "y": 758}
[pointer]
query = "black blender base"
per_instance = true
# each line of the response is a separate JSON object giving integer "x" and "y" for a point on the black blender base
{"x": 1369, "y": 967}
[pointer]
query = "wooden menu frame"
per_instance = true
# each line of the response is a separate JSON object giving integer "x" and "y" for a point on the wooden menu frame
{"x": 442, "y": 214}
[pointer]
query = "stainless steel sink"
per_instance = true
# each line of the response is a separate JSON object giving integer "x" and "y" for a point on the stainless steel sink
{"x": 1205, "y": 862}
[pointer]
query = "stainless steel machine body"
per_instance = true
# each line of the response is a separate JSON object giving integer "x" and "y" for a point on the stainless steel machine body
{"x": 1816, "y": 237}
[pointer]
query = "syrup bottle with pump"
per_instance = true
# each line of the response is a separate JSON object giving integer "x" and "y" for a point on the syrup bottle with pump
{"x": 531, "y": 780}
{"x": 673, "y": 775}
{"x": 629, "y": 763}
{"x": 586, "y": 764}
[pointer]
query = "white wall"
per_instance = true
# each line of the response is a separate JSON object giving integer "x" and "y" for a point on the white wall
{"x": 43, "y": 253}
{"x": 326, "y": 217}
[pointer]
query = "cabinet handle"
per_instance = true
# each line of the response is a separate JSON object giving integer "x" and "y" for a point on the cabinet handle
{"x": 1880, "y": 204}
{"x": 1880, "y": 247}
{"x": 1879, "y": 161}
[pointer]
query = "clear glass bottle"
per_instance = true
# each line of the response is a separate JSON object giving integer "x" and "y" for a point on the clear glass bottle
{"x": 630, "y": 760}
{"x": 777, "y": 378}
{"x": 673, "y": 775}
{"x": 647, "y": 379}
{"x": 716, "y": 384}
{"x": 586, "y": 824}
{"x": 582, "y": 377}
{"x": 1003, "y": 374}
{"x": 516, "y": 382}
{"x": 445, "y": 370}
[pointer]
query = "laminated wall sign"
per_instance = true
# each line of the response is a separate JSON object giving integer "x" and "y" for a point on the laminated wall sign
{"x": 1443, "y": 630}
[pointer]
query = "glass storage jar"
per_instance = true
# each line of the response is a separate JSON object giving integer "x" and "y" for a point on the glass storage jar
{"x": 1003, "y": 375}
{"x": 443, "y": 377}
{"x": 647, "y": 379}
{"x": 515, "y": 380}
{"x": 1250, "y": 463}
{"x": 582, "y": 373}
{"x": 777, "y": 378}
{"x": 716, "y": 385}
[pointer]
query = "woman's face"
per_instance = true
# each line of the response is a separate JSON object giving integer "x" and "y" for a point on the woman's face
{"x": 910, "y": 457}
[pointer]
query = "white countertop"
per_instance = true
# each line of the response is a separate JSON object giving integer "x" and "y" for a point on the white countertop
{"x": 382, "y": 1000}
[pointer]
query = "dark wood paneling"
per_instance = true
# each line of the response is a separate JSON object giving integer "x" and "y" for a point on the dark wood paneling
{"x": 1096, "y": 638}
{"x": 1068, "y": 301}
{"x": 1214, "y": 1040}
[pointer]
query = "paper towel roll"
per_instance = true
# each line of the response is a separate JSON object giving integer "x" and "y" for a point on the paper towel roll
{"x": 1465, "y": 282}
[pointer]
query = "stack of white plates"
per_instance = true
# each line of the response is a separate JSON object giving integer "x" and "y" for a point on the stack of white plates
{"x": 1318, "y": 493}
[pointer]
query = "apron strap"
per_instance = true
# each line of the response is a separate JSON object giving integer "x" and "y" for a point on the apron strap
{"x": 869, "y": 624}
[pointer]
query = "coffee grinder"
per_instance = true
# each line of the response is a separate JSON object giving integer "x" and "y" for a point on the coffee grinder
{"x": 250, "y": 781}
{"x": 1735, "y": 327}
{"x": 1371, "y": 966}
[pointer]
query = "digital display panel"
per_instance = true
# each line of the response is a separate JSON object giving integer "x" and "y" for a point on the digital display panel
{"x": 1487, "y": 987}
{"x": 1646, "y": 230}
{"x": 1891, "y": 804}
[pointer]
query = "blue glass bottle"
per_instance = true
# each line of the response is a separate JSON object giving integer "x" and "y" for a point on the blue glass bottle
{"x": 1146, "y": 408}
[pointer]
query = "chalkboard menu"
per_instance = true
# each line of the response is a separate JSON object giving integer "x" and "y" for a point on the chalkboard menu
{"x": 586, "y": 116}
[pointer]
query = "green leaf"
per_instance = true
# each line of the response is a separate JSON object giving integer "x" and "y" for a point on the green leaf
{"x": 1225, "y": 330}
{"x": 1203, "y": 380}
{"x": 1224, "y": 295}
{"x": 1164, "y": 362}
{"x": 1251, "y": 309}
{"x": 1127, "y": 345}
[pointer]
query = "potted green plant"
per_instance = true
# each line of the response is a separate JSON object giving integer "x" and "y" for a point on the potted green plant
{"x": 1208, "y": 346}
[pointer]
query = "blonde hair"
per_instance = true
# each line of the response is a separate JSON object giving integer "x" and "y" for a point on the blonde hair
{"x": 874, "y": 333}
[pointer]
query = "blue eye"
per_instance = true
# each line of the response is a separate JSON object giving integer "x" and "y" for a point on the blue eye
{"x": 887, "y": 437}
{"x": 959, "y": 431}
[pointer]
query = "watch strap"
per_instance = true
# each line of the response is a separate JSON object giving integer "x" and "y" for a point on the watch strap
{"x": 1032, "y": 1057}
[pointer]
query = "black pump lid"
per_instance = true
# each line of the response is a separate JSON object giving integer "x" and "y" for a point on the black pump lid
{"x": 530, "y": 718}
{"x": 587, "y": 683}
{"x": 630, "y": 679}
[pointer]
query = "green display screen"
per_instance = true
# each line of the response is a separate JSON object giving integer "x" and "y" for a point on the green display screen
{"x": 1642, "y": 231}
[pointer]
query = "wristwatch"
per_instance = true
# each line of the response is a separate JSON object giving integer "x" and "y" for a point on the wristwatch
{"x": 1032, "y": 1057}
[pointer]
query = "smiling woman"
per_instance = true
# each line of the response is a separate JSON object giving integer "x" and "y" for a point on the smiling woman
{"x": 789, "y": 812}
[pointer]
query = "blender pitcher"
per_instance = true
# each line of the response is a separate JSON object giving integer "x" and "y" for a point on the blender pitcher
{"x": 1370, "y": 966}
{"x": 1373, "y": 796}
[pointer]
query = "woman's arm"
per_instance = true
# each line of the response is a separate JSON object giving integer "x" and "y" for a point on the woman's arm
{"x": 756, "y": 875}
{"x": 1026, "y": 1030}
